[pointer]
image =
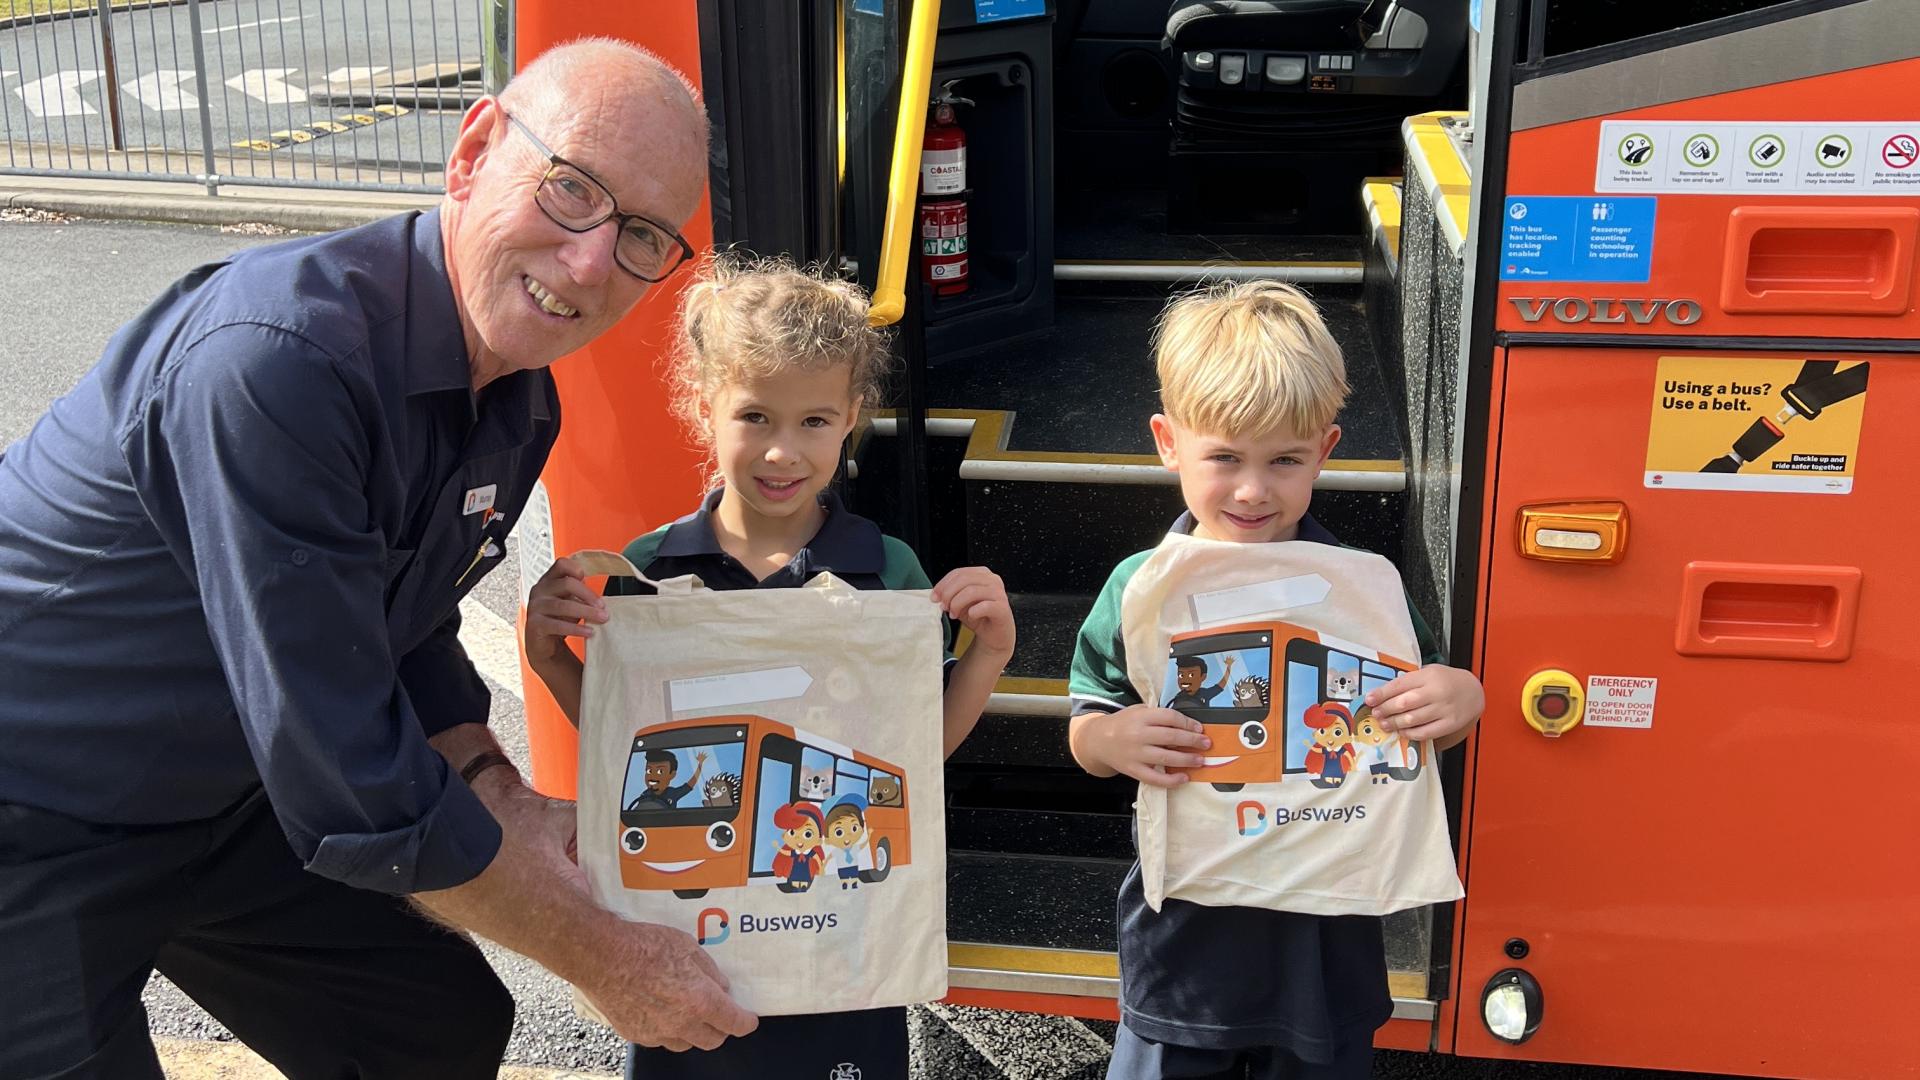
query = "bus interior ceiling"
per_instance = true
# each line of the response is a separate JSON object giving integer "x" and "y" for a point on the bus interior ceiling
{"x": 1108, "y": 167}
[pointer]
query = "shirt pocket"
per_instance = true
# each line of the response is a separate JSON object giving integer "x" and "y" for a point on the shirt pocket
{"x": 455, "y": 551}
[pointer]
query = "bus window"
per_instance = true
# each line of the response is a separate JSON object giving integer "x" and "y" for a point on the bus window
{"x": 1303, "y": 693}
{"x": 1374, "y": 676}
{"x": 776, "y": 787}
{"x": 1211, "y": 677}
{"x": 1343, "y": 676}
{"x": 851, "y": 779}
{"x": 1317, "y": 674}
{"x": 886, "y": 790}
{"x": 816, "y": 774}
{"x": 1575, "y": 25}
{"x": 685, "y": 776}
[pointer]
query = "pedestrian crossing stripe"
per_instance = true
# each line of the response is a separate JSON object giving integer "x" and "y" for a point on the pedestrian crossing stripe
{"x": 320, "y": 129}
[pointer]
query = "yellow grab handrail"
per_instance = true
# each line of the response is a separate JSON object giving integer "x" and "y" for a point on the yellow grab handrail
{"x": 903, "y": 181}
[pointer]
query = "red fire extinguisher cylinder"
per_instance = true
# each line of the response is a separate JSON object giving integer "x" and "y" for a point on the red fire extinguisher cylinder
{"x": 943, "y": 203}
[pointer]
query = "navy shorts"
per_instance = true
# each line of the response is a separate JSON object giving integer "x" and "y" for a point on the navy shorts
{"x": 1135, "y": 1058}
{"x": 871, "y": 1045}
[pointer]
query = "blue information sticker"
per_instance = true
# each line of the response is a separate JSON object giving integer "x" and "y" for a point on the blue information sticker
{"x": 870, "y": 7}
{"x": 986, "y": 11}
{"x": 1578, "y": 238}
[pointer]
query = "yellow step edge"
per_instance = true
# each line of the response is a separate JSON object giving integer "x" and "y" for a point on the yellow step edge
{"x": 1021, "y": 684}
{"x": 1086, "y": 963}
{"x": 1381, "y": 197}
{"x": 1224, "y": 260}
{"x": 1446, "y": 163}
{"x": 1082, "y": 962}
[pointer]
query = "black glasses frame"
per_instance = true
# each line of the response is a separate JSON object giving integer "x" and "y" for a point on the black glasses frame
{"x": 613, "y": 213}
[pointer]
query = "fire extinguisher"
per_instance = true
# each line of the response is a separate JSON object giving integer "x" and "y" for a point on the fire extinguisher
{"x": 943, "y": 197}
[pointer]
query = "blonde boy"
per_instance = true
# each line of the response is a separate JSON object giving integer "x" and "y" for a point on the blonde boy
{"x": 1250, "y": 384}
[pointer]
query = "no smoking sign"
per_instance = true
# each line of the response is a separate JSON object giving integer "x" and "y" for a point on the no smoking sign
{"x": 1900, "y": 151}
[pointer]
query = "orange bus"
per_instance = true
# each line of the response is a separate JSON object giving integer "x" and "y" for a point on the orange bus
{"x": 1571, "y": 252}
{"x": 1224, "y": 678}
{"x": 698, "y": 803}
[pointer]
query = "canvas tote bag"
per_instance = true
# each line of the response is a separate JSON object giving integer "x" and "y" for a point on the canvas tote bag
{"x": 1305, "y": 803}
{"x": 762, "y": 769}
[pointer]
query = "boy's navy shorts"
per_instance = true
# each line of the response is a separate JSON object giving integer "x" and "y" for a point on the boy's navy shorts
{"x": 1135, "y": 1058}
{"x": 871, "y": 1045}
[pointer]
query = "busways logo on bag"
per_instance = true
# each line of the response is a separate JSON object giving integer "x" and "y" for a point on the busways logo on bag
{"x": 1250, "y": 818}
{"x": 714, "y": 926}
{"x": 728, "y": 801}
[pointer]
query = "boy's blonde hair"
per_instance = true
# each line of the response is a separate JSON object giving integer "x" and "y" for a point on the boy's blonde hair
{"x": 1248, "y": 358}
{"x": 744, "y": 319}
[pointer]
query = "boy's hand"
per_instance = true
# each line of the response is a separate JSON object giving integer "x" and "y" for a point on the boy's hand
{"x": 559, "y": 607}
{"x": 1145, "y": 742}
{"x": 977, "y": 597}
{"x": 1432, "y": 703}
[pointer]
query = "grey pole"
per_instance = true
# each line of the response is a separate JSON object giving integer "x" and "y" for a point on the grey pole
{"x": 105, "y": 8}
{"x": 210, "y": 177}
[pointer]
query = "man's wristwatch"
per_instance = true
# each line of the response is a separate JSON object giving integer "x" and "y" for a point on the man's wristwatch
{"x": 482, "y": 762}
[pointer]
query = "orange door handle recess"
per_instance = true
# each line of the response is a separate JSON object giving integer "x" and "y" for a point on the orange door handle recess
{"x": 1819, "y": 260}
{"x": 1768, "y": 612}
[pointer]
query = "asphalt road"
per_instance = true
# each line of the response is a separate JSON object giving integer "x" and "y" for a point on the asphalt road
{"x": 268, "y": 63}
{"x": 88, "y": 278}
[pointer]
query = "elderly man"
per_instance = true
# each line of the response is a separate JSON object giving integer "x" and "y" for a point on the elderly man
{"x": 242, "y": 743}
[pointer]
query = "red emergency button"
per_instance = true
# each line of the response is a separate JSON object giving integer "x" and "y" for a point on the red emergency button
{"x": 1551, "y": 702}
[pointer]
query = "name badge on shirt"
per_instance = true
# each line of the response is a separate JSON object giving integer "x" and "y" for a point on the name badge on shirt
{"x": 478, "y": 499}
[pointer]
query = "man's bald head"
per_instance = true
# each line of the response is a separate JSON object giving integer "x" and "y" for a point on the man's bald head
{"x": 562, "y": 81}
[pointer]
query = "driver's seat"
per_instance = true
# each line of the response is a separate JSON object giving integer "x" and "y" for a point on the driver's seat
{"x": 1297, "y": 101}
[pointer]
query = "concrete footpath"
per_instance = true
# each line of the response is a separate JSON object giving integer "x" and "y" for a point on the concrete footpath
{"x": 187, "y": 203}
{"x": 185, "y": 1059}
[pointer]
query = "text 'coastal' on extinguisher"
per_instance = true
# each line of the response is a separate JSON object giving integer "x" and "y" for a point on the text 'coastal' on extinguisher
{"x": 943, "y": 197}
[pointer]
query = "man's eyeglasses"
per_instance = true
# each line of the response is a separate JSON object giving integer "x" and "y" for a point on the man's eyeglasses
{"x": 577, "y": 202}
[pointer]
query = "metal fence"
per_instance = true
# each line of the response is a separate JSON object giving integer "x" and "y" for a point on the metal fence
{"x": 326, "y": 93}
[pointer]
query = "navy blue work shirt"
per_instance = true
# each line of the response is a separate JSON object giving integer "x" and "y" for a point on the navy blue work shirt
{"x": 233, "y": 556}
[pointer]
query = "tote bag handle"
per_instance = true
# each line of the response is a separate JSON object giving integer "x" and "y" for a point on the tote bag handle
{"x": 613, "y": 564}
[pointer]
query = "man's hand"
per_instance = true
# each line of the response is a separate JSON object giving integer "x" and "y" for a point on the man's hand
{"x": 660, "y": 988}
{"x": 652, "y": 983}
{"x": 1434, "y": 703}
{"x": 1141, "y": 741}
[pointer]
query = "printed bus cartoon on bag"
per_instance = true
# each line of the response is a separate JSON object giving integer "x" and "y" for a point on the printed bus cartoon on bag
{"x": 1317, "y": 723}
{"x": 728, "y": 801}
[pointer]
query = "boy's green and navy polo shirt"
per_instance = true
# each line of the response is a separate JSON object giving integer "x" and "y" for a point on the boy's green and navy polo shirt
{"x": 850, "y": 546}
{"x": 1232, "y": 977}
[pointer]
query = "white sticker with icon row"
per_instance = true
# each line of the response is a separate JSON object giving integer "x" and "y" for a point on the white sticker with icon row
{"x": 1755, "y": 157}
